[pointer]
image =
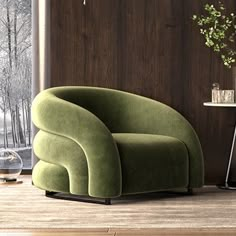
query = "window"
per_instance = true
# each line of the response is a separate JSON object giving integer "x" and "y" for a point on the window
{"x": 15, "y": 77}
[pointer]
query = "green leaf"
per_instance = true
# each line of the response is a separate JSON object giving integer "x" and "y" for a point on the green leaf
{"x": 219, "y": 31}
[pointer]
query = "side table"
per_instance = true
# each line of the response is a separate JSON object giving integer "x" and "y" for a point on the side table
{"x": 226, "y": 185}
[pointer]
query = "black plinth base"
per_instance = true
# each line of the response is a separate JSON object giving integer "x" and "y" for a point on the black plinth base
{"x": 72, "y": 197}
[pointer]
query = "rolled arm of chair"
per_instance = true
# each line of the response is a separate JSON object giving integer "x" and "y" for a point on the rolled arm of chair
{"x": 55, "y": 115}
{"x": 154, "y": 117}
{"x": 184, "y": 131}
{"x": 172, "y": 123}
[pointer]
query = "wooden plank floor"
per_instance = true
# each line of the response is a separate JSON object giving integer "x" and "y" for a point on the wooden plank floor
{"x": 122, "y": 232}
{"x": 24, "y": 210}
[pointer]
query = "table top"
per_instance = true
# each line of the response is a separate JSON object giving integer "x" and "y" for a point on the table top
{"x": 212, "y": 104}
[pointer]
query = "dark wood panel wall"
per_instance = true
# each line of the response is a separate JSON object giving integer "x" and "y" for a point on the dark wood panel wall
{"x": 148, "y": 47}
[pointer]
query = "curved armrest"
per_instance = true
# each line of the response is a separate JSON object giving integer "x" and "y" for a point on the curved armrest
{"x": 177, "y": 126}
{"x": 171, "y": 123}
{"x": 57, "y": 116}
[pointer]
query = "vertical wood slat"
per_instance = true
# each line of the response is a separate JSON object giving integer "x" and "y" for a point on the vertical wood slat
{"x": 149, "y": 47}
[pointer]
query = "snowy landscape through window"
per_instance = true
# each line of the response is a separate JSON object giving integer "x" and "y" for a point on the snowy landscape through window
{"x": 15, "y": 77}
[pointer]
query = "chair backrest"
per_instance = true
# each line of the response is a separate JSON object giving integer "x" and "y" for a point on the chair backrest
{"x": 121, "y": 111}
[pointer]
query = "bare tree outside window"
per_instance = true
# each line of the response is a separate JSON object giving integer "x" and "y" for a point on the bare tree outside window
{"x": 15, "y": 77}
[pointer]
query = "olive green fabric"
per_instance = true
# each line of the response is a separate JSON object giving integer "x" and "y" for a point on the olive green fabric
{"x": 87, "y": 117}
{"x": 66, "y": 153}
{"x": 60, "y": 117}
{"x": 152, "y": 162}
{"x": 50, "y": 177}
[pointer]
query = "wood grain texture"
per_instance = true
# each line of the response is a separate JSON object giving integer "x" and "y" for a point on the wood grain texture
{"x": 148, "y": 47}
{"x": 24, "y": 207}
{"x": 125, "y": 232}
{"x": 55, "y": 233}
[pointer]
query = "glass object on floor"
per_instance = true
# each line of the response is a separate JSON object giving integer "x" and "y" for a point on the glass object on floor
{"x": 10, "y": 165}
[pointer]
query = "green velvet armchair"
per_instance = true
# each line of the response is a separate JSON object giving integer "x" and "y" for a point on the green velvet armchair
{"x": 105, "y": 143}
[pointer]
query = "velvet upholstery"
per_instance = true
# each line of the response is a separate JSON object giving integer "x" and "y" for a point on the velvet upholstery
{"x": 106, "y": 143}
{"x": 163, "y": 162}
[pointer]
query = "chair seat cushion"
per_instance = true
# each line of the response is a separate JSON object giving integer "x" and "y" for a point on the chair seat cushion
{"x": 152, "y": 162}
